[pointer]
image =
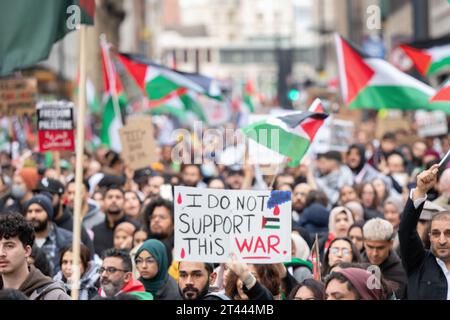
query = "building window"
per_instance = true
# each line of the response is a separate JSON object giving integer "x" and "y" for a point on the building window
{"x": 185, "y": 56}
{"x": 208, "y": 55}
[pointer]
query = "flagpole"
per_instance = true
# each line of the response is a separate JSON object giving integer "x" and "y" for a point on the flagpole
{"x": 111, "y": 76}
{"x": 75, "y": 279}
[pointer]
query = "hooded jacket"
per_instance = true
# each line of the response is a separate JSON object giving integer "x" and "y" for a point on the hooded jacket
{"x": 392, "y": 269}
{"x": 39, "y": 287}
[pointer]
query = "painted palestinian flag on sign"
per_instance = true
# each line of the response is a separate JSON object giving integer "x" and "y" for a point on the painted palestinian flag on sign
{"x": 373, "y": 83}
{"x": 430, "y": 56}
{"x": 289, "y": 135}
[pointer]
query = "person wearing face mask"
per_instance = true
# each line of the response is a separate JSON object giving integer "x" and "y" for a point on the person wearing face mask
{"x": 23, "y": 183}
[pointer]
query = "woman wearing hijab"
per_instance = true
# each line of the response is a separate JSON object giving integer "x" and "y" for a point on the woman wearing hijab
{"x": 152, "y": 264}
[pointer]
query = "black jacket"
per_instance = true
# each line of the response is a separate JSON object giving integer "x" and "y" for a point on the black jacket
{"x": 66, "y": 222}
{"x": 425, "y": 277}
{"x": 104, "y": 235}
{"x": 392, "y": 269}
{"x": 169, "y": 291}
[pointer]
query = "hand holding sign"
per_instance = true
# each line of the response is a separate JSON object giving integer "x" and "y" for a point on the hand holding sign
{"x": 240, "y": 268}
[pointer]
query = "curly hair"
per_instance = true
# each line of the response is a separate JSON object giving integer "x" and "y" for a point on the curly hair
{"x": 148, "y": 211}
{"x": 14, "y": 225}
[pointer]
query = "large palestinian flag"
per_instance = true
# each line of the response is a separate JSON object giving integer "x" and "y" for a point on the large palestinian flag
{"x": 167, "y": 92}
{"x": 373, "y": 83}
{"x": 289, "y": 135}
{"x": 430, "y": 56}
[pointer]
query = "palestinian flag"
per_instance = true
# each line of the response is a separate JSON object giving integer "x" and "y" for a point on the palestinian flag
{"x": 270, "y": 223}
{"x": 430, "y": 56}
{"x": 249, "y": 91}
{"x": 28, "y": 29}
{"x": 373, "y": 83}
{"x": 441, "y": 100}
{"x": 289, "y": 135}
{"x": 114, "y": 102}
{"x": 167, "y": 92}
{"x": 199, "y": 83}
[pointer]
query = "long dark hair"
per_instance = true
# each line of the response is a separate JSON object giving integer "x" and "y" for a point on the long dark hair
{"x": 85, "y": 255}
{"x": 316, "y": 287}
{"x": 356, "y": 257}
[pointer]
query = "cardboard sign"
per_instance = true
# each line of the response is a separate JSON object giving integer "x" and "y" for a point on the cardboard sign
{"x": 17, "y": 96}
{"x": 431, "y": 124}
{"x": 55, "y": 126}
{"x": 138, "y": 143}
{"x": 210, "y": 224}
{"x": 335, "y": 134}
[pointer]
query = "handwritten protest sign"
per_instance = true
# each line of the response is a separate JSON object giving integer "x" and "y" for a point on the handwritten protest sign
{"x": 138, "y": 144}
{"x": 431, "y": 124}
{"x": 17, "y": 96}
{"x": 55, "y": 126}
{"x": 210, "y": 224}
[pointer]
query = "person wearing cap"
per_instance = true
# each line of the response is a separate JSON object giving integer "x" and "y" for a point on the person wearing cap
{"x": 49, "y": 237}
{"x": 379, "y": 237}
{"x": 61, "y": 217}
{"x": 353, "y": 284}
{"x": 331, "y": 175}
{"x": 428, "y": 270}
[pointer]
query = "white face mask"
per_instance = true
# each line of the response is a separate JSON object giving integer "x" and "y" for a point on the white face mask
{"x": 18, "y": 192}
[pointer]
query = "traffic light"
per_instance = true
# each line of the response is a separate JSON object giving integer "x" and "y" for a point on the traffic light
{"x": 293, "y": 94}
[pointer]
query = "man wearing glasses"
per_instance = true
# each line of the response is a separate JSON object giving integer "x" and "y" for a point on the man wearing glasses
{"x": 428, "y": 271}
{"x": 116, "y": 276}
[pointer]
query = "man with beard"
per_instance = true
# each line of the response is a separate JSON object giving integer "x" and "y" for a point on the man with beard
{"x": 116, "y": 276}
{"x": 49, "y": 237}
{"x": 104, "y": 232}
{"x": 159, "y": 221}
{"x": 16, "y": 241}
{"x": 191, "y": 175}
{"x": 299, "y": 195}
{"x": 428, "y": 271}
{"x": 61, "y": 217}
{"x": 195, "y": 279}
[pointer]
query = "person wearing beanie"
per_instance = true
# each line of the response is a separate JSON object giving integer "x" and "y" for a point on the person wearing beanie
{"x": 353, "y": 284}
{"x": 49, "y": 237}
{"x": 152, "y": 264}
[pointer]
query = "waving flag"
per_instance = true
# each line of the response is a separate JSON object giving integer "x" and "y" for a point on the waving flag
{"x": 430, "y": 56}
{"x": 289, "y": 135}
{"x": 28, "y": 29}
{"x": 114, "y": 102}
{"x": 373, "y": 83}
